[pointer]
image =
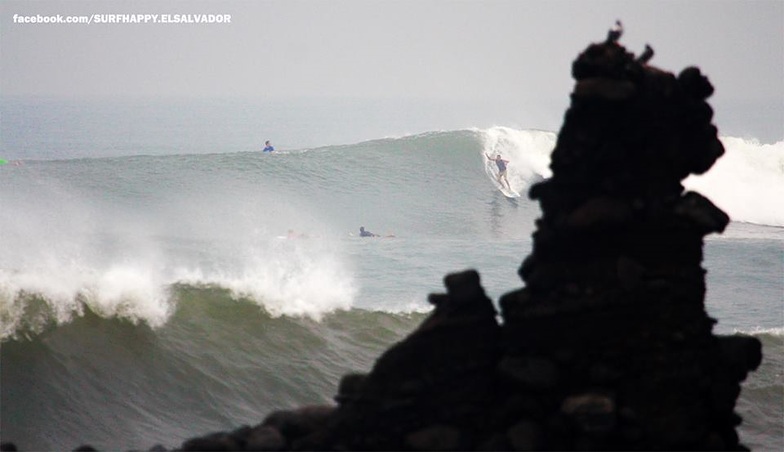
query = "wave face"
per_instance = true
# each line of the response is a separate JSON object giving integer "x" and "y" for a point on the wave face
{"x": 219, "y": 363}
{"x": 761, "y": 403}
{"x": 150, "y": 298}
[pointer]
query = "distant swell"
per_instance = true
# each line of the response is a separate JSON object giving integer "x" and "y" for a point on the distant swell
{"x": 115, "y": 235}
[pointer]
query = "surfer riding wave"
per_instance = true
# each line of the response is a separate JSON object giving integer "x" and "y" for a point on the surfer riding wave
{"x": 501, "y": 164}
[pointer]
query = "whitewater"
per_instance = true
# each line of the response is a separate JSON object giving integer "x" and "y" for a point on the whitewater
{"x": 139, "y": 279}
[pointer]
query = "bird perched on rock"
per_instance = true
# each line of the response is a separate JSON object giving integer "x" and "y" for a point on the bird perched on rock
{"x": 646, "y": 55}
{"x": 615, "y": 32}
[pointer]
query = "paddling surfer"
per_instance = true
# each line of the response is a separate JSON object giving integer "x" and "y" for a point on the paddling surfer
{"x": 365, "y": 233}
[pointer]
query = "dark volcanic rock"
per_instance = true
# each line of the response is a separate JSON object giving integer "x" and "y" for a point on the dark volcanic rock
{"x": 615, "y": 284}
{"x": 434, "y": 383}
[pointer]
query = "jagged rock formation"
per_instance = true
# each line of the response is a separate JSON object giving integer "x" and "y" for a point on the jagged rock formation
{"x": 613, "y": 304}
{"x": 608, "y": 346}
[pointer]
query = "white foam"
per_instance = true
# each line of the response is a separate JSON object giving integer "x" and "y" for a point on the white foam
{"x": 528, "y": 152}
{"x": 128, "y": 291}
{"x": 71, "y": 252}
{"x": 757, "y": 331}
{"x": 303, "y": 277}
{"x": 747, "y": 182}
{"x": 284, "y": 278}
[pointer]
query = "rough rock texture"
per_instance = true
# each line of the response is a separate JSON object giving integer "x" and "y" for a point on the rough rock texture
{"x": 613, "y": 307}
{"x": 608, "y": 346}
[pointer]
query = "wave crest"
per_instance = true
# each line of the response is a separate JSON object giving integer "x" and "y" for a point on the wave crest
{"x": 747, "y": 182}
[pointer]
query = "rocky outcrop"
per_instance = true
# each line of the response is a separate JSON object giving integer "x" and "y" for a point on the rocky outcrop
{"x": 613, "y": 303}
{"x": 608, "y": 345}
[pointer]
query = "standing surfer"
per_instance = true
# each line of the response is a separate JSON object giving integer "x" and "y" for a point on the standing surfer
{"x": 501, "y": 164}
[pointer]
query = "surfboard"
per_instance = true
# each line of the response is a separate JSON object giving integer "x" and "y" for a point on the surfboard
{"x": 492, "y": 173}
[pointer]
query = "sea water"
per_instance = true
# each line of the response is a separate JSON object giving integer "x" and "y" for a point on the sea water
{"x": 160, "y": 278}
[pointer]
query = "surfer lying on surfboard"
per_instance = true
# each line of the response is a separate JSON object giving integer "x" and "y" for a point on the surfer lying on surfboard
{"x": 501, "y": 164}
{"x": 365, "y": 233}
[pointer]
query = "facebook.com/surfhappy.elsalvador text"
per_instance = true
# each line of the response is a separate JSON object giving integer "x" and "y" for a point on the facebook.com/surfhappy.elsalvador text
{"x": 123, "y": 19}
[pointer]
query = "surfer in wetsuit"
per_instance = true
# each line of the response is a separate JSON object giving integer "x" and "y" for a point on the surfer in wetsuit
{"x": 501, "y": 164}
{"x": 268, "y": 147}
{"x": 364, "y": 233}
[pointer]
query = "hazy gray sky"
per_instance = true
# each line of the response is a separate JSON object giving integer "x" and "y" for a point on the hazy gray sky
{"x": 484, "y": 49}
